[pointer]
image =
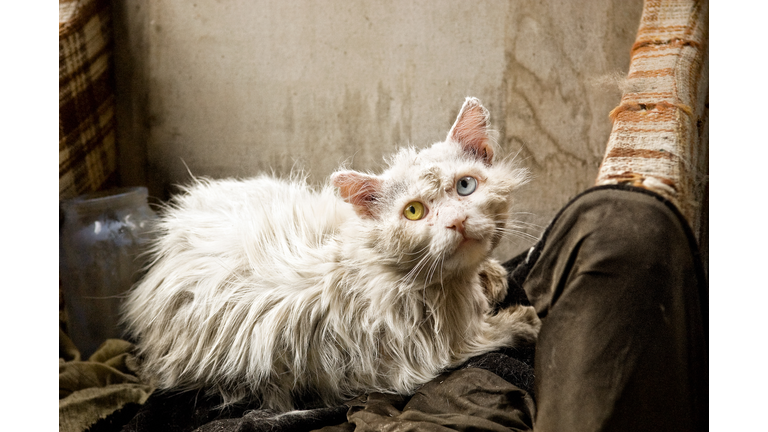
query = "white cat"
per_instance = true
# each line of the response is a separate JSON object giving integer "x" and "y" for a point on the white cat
{"x": 267, "y": 290}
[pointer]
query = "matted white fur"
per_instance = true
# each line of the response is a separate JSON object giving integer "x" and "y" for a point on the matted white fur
{"x": 270, "y": 290}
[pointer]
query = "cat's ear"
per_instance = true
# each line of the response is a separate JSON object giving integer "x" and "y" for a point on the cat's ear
{"x": 360, "y": 190}
{"x": 471, "y": 130}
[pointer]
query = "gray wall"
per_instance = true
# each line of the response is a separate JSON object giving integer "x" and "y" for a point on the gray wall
{"x": 234, "y": 88}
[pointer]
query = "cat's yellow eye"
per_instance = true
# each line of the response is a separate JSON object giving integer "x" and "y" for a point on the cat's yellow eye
{"x": 414, "y": 211}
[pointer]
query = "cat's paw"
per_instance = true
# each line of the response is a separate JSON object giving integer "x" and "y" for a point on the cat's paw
{"x": 526, "y": 314}
{"x": 493, "y": 279}
{"x": 529, "y": 321}
{"x": 520, "y": 322}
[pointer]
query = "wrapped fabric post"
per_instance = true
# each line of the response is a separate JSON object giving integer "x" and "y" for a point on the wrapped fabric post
{"x": 659, "y": 139}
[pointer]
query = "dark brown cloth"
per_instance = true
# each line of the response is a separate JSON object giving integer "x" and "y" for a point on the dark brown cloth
{"x": 478, "y": 396}
{"x": 622, "y": 295}
{"x": 469, "y": 399}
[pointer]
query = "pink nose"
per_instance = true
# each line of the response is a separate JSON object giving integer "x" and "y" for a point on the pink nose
{"x": 458, "y": 225}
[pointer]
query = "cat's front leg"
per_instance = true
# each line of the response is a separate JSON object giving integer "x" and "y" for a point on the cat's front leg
{"x": 514, "y": 324}
{"x": 515, "y": 327}
{"x": 493, "y": 279}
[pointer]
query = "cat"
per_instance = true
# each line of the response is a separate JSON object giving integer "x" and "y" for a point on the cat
{"x": 270, "y": 291}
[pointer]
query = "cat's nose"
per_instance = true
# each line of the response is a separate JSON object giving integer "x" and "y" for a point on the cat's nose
{"x": 458, "y": 225}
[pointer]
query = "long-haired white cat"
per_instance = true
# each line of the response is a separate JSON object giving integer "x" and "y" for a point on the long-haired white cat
{"x": 270, "y": 291}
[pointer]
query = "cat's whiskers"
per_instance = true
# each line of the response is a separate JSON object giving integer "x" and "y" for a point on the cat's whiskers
{"x": 442, "y": 290}
{"x": 522, "y": 224}
{"x": 520, "y": 213}
{"x": 514, "y": 220}
{"x": 528, "y": 226}
{"x": 431, "y": 272}
{"x": 442, "y": 266}
{"x": 417, "y": 254}
{"x": 413, "y": 273}
{"x": 511, "y": 231}
{"x": 517, "y": 224}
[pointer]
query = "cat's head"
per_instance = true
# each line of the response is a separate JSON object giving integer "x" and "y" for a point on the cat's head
{"x": 441, "y": 209}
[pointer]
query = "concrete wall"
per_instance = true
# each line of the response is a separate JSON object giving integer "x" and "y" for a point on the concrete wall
{"x": 233, "y": 88}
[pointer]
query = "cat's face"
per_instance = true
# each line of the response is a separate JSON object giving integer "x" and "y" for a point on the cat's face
{"x": 442, "y": 207}
{"x": 439, "y": 210}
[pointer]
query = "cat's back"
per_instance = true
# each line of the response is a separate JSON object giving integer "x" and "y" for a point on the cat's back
{"x": 259, "y": 218}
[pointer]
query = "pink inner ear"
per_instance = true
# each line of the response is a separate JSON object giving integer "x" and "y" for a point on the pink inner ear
{"x": 471, "y": 131}
{"x": 358, "y": 189}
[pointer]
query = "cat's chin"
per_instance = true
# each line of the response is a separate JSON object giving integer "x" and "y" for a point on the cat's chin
{"x": 469, "y": 252}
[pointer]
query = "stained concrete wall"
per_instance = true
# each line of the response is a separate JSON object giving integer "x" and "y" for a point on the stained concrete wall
{"x": 238, "y": 87}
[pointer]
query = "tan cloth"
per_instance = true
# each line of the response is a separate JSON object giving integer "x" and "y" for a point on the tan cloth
{"x": 92, "y": 390}
{"x": 659, "y": 139}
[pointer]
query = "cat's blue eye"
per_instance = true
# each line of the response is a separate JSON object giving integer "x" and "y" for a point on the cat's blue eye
{"x": 466, "y": 185}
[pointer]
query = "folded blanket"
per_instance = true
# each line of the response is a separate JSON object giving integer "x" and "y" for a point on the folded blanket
{"x": 94, "y": 389}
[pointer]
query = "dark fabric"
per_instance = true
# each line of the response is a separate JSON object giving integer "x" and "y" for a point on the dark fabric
{"x": 194, "y": 411}
{"x": 489, "y": 392}
{"x": 621, "y": 293}
{"x": 469, "y": 399}
{"x": 514, "y": 365}
{"x": 517, "y": 271}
